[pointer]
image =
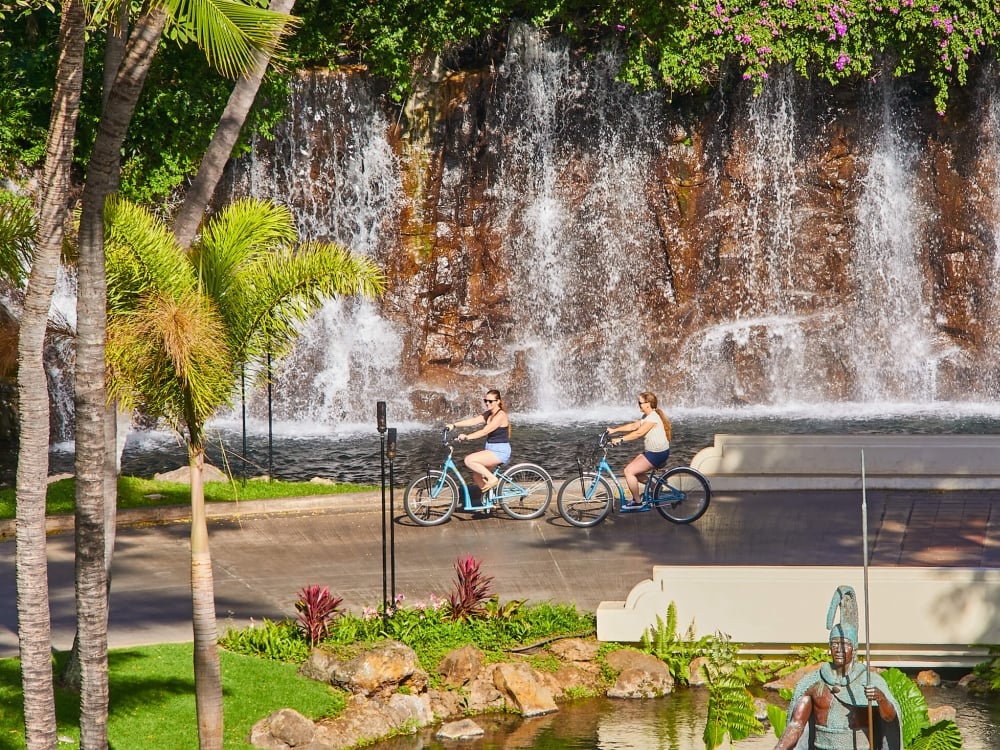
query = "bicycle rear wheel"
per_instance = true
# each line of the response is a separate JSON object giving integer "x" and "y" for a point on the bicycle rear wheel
{"x": 431, "y": 499}
{"x": 525, "y": 491}
{"x": 585, "y": 500}
{"x": 682, "y": 495}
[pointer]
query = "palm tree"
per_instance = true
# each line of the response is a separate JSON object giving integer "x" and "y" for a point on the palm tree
{"x": 182, "y": 324}
{"x": 34, "y": 625}
{"x": 231, "y": 33}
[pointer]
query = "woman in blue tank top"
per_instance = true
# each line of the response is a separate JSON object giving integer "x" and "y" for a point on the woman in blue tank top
{"x": 496, "y": 430}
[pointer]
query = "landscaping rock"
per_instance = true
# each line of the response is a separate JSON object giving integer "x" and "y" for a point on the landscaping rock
{"x": 283, "y": 729}
{"x": 379, "y": 671}
{"x": 460, "y": 666}
{"x": 466, "y": 729}
{"x": 928, "y": 678}
{"x": 522, "y": 686}
{"x": 575, "y": 650}
{"x": 639, "y": 675}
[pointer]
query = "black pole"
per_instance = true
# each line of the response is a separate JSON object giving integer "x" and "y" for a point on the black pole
{"x": 380, "y": 419}
{"x": 270, "y": 431}
{"x": 243, "y": 406}
{"x": 392, "y": 515}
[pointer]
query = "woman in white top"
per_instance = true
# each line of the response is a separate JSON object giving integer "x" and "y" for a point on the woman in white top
{"x": 654, "y": 429}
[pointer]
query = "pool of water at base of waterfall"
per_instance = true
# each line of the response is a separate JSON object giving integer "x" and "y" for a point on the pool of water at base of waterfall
{"x": 300, "y": 453}
{"x": 674, "y": 722}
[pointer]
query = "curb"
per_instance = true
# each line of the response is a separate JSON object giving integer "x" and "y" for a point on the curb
{"x": 347, "y": 501}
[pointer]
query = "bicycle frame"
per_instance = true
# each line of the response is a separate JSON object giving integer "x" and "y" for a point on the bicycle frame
{"x": 450, "y": 467}
{"x": 603, "y": 469}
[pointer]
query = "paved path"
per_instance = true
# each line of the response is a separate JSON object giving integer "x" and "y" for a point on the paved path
{"x": 261, "y": 561}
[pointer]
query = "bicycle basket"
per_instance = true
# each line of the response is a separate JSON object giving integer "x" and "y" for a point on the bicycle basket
{"x": 587, "y": 455}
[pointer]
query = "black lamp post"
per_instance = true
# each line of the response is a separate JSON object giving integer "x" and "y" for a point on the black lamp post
{"x": 380, "y": 419}
{"x": 391, "y": 452}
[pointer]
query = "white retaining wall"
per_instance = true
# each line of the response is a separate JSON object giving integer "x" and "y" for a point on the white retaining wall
{"x": 918, "y": 616}
{"x": 832, "y": 462}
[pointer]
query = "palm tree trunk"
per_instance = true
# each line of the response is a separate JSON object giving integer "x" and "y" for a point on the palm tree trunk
{"x": 199, "y": 195}
{"x": 207, "y": 669}
{"x": 34, "y": 624}
{"x": 102, "y": 177}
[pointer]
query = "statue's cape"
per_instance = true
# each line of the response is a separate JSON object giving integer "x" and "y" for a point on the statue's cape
{"x": 851, "y": 692}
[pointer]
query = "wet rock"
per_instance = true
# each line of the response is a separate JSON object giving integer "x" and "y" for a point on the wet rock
{"x": 521, "y": 686}
{"x": 466, "y": 729}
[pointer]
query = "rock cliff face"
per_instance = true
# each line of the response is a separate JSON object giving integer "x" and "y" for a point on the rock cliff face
{"x": 555, "y": 234}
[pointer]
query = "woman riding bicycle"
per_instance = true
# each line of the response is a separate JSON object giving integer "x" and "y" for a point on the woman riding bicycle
{"x": 654, "y": 429}
{"x": 496, "y": 430}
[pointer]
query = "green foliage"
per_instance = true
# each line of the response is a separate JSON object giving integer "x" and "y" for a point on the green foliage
{"x": 687, "y": 46}
{"x": 665, "y": 643}
{"x": 278, "y": 641}
{"x": 989, "y": 670}
{"x": 941, "y": 736}
{"x": 17, "y": 230}
{"x": 730, "y": 711}
{"x": 912, "y": 706}
{"x": 778, "y": 719}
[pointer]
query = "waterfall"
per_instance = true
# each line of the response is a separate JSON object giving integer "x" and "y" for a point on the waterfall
{"x": 572, "y": 188}
{"x": 726, "y": 251}
{"x": 333, "y": 165}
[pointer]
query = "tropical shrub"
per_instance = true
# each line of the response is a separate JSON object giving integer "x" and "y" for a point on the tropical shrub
{"x": 317, "y": 609}
{"x": 471, "y": 590}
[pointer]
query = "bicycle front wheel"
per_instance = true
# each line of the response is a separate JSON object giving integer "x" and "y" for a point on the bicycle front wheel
{"x": 525, "y": 491}
{"x": 585, "y": 500}
{"x": 431, "y": 499}
{"x": 682, "y": 495}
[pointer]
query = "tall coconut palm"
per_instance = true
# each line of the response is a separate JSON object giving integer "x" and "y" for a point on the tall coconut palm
{"x": 230, "y": 32}
{"x": 34, "y": 626}
{"x": 182, "y": 324}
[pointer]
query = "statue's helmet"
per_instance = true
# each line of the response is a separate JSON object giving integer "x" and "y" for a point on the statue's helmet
{"x": 845, "y": 600}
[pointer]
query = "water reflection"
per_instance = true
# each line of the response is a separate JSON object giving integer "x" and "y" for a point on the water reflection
{"x": 351, "y": 453}
{"x": 676, "y": 722}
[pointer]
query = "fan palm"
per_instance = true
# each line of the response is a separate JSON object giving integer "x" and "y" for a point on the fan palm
{"x": 183, "y": 324}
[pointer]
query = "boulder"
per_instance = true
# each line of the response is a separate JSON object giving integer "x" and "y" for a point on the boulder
{"x": 639, "y": 675}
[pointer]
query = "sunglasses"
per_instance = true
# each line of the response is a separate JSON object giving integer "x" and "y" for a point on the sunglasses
{"x": 491, "y": 400}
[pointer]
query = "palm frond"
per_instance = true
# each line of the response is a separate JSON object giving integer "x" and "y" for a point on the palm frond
{"x": 242, "y": 230}
{"x": 229, "y": 31}
{"x": 169, "y": 357}
{"x": 281, "y": 290}
{"x": 141, "y": 256}
{"x": 17, "y": 230}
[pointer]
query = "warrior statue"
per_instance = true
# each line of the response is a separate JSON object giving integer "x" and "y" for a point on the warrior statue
{"x": 843, "y": 705}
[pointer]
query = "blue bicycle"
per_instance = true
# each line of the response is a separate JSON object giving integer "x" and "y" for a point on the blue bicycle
{"x": 524, "y": 491}
{"x": 680, "y": 494}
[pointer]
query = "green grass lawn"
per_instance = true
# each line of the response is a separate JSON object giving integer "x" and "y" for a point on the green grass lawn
{"x": 152, "y": 698}
{"x": 141, "y": 493}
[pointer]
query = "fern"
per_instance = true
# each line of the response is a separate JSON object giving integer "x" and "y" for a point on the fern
{"x": 942, "y": 736}
{"x": 730, "y": 712}
{"x": 912, "y": 706}
{"x": 676, "y": 651}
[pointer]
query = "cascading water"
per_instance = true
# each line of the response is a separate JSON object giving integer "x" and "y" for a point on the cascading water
{"x": 772, "y": 252}
{"x": 579, "y": 284}
{"x": 333, "y": 165}
{"x": 892, "y": 350}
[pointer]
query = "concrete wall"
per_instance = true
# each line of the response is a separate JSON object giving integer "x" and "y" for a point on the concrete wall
{"x": 918, "y": 616}
{"x": 832, "y": 462}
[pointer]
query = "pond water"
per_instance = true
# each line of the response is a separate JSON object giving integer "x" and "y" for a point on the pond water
{"x": 675, "y": 722}
{"x": 351, "y": 453}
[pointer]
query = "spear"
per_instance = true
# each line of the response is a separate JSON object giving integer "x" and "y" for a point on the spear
{"x": 868, "y": 639}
